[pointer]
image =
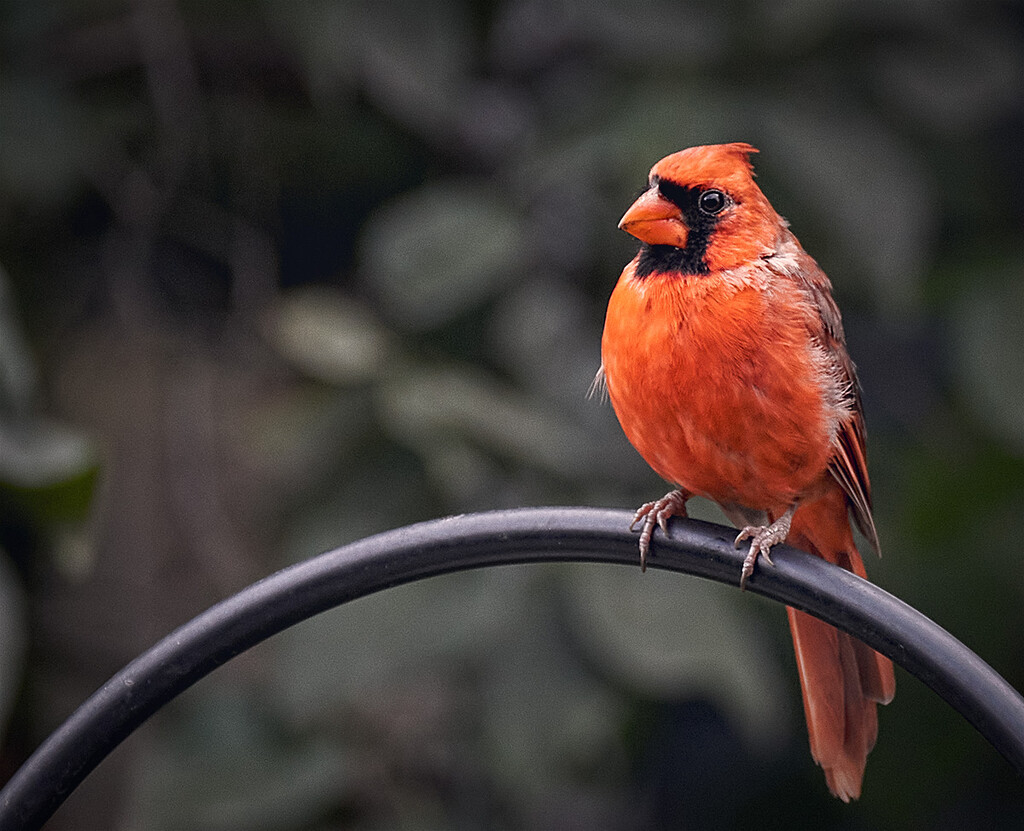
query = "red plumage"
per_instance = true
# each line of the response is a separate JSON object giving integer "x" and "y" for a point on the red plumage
{"x": 725, "y": 361}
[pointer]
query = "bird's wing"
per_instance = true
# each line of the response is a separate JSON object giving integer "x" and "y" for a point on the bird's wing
{"x": 848, "y": 464}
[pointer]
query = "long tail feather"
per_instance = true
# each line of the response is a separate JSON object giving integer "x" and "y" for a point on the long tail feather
{"x": 841, "y": 679}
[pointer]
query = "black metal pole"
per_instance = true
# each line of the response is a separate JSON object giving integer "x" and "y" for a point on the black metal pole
{"x": 532, "y": 535}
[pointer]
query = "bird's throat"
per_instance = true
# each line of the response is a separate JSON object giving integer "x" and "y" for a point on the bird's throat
{"x": 662, "y": 259}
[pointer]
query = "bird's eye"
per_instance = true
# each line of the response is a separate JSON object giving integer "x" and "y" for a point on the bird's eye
{"x": 712, "y": 202}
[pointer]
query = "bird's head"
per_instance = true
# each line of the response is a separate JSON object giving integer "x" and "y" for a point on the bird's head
{"x": 702, "y": 212}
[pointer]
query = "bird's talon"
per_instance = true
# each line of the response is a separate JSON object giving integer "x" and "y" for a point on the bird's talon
{"x": 657, "y": 513}
{"x": 748, "y": 569}
{"x": 663, "y": 518}
{"x": 762, "y": 539}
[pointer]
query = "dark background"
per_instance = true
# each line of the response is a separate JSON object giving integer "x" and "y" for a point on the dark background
{"x": 277, "y": 275}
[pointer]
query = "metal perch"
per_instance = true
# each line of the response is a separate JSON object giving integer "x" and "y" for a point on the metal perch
{"x": 529, "y": 535}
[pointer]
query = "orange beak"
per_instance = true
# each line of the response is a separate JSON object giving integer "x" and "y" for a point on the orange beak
{"x": 655, "y": 220}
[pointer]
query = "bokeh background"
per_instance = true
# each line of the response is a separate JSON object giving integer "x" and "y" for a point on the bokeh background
{"x": 278, "y": 275}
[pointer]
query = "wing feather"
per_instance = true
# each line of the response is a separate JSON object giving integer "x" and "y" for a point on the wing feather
{"x": 848, "y": 465}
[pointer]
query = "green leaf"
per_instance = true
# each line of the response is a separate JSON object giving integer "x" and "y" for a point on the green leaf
{"x": 440, "y": 251}
{"x": 329, "y": 336}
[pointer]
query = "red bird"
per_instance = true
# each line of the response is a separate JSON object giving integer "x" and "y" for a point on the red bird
{"x": 725, "y": 361}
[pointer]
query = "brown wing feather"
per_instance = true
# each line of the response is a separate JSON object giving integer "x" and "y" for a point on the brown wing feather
{"x": 848, "y": 464}
{"x": 849, "y": 467}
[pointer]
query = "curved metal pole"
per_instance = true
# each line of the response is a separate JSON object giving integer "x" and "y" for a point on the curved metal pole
{"x": 476, "y": 540}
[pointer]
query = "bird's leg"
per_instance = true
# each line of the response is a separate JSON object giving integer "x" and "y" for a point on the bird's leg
{"x": 762, "y": 538}
{"x": 658, "y": 513}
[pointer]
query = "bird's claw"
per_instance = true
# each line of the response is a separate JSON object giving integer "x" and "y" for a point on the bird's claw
{"x": 762, "y": 539}
{"x": 657, "y": 513}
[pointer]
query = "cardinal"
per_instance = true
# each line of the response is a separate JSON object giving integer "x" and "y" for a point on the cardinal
{"x": 724, "y": 358}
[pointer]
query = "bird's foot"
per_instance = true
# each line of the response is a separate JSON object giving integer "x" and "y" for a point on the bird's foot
{"x": 762, "y": 539}
{"x": 657, "y": 513}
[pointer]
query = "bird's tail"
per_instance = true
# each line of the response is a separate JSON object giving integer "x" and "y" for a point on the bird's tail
{"x": 841, "y": 678}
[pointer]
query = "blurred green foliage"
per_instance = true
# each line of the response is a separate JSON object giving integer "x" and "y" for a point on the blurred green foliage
{"x": 288, "y": 274}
